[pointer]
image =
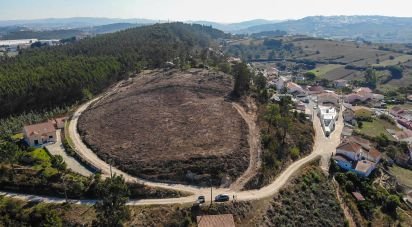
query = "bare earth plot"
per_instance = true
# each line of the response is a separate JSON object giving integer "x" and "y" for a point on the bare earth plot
{"x": 171, "y": 127}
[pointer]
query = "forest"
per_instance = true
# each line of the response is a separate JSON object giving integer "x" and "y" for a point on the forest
{"x": 43, "y": 78}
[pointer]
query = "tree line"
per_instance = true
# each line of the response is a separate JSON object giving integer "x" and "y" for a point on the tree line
{"x": 47, "y": 77}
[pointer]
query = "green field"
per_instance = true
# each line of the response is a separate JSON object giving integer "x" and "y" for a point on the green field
{"x": 395, "y": 61}
{"x": 377, "y": 127}
{"x": 404, "y": 176}
{"x": 322, "y": 70}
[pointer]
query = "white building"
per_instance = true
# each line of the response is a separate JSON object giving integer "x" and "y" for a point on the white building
{"x": 328, "y": 116}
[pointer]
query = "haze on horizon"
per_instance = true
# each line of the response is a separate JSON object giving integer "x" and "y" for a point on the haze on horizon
{"x": 211, "y": 10}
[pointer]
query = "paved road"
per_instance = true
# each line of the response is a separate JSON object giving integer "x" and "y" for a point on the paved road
{"x": 58, "y": 149}
{"x": 323, "y": 148}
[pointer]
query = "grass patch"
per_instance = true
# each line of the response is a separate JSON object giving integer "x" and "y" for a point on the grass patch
{"x": 404, "y": 176}
{"x": 377, "y": 127}
{"x": 40, "y": 155}
{"x": 321, "y": 71}
{"x": 395, "y": 61}
{"x": 17, "y": 137}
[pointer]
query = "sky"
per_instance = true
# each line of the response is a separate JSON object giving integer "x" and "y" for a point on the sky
{"x": 212, "y": 10}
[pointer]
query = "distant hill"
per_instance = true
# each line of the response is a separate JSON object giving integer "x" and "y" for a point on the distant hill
{"x": 371, "y": 28}
{"x": 378, "y": 29}
{"x": 71, "y": 23}
{"x": 7, "y": 33}
{"x": 230, "y": 27}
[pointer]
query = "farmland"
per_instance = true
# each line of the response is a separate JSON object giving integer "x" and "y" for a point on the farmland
{"x": 329, "y": 59}
{"x": 171, "y": 126}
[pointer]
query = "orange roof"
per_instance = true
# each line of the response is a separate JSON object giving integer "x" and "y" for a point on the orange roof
{"x": 374, "y": 153}
{"x": 350, "y": 146}
{"x": 60, "y": 120}
{"x": 39, "y": 129}
{"x": 223, "y": 220}
{"x": 362, "y": 142}
{"x": 363, "y": 90}
{"x": 293, "y": 85}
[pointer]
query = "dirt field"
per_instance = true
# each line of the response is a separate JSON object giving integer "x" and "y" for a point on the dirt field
{"x": 171, "y": 127}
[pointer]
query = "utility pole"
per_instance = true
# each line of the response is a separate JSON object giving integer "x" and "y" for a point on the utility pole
{"x": 111, "y": 174}
{"x": 211, "y": 188}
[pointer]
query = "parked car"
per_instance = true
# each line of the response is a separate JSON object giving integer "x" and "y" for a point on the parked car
{"x": 200, "y": 199}
{"x": 221, "y": 198}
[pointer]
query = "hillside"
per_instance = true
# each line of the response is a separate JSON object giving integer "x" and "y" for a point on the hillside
{"x": 57, "y": 76}
{"x": 172, "y": 126}
{"x": 371, "y": 28}
{"x": 10, "y": 33}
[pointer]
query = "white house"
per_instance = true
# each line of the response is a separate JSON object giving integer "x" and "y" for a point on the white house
{"x": 340, "y": 83}
{"x": 39, "y": 134}
{"x": 328, "y": 116}
{"x": 357, "y": 156}
{"x": 281, "y": 82}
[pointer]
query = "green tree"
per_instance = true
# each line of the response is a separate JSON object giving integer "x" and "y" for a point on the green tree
{"x": 294, "y": 153}
{"x": 396, "y": 71}
{"x": 310, "y": 76}
{"x": 58, "y": 162}
{"x": 242, "y": 76}
{"x": 391, "y": 203}
{"x": 371, "y": 78}
{"x": 272, "y": 115}
{"x": 260, "y": 81}
{"x": 111, "y": 208}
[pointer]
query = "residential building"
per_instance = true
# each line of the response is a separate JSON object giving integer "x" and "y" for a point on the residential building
{"x": 314, "y": 90}
{"x": 363, "y": 94}
{"x": 281, "y": 82}
{"x": 328, "y": 117}
{"x": 355, "y": 154}
{"x": 59, "y": 122}
{"x": 348, "y": 115}
{"x": 340, "y": 83}
{"x": 328, "y": 98}
{"x": 294, "y": 88}
{"x": 39, "y": 134}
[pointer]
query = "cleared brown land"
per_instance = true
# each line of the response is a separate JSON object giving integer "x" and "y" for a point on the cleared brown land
{"x": 167, "y": 125}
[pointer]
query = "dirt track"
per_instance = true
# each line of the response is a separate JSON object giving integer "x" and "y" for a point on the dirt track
{"x": 323, "y": 147}
{"x": 171, "y": 127}
{"x": 254, "y": 144}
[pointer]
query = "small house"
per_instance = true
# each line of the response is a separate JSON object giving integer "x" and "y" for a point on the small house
{"x": 356, "y": 155}
{"x": 40, "y": 134}
{"x": 340, "y": 83}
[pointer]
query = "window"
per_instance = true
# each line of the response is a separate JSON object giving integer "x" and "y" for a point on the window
{"x": 50, "y": 137}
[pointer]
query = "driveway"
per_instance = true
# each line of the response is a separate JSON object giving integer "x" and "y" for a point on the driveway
{"x": 58, "y": 149}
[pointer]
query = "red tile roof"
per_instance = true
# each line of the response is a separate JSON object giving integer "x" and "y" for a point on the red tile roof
{"x": 224, "y": 220}
{"x": 350, "y": 146}
{"x": 42, "y": 128}
{"x": 374, "y": 153}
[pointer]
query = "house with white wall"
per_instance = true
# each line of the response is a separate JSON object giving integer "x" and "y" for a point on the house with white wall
{"x": 354, "y": 155}
{"x": 40, "y": 134}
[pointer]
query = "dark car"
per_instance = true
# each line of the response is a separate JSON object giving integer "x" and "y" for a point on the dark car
{"x": 200, "y": 199}
{"x": 221, "y": 198}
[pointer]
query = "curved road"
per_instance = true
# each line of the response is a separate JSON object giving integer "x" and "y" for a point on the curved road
{"x": 323, "y": 148}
